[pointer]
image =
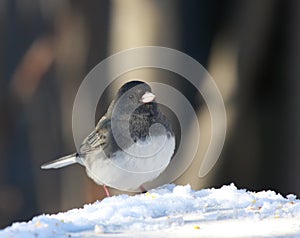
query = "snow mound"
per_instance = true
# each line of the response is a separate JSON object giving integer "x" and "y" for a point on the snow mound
{"x": 171, "y": 211}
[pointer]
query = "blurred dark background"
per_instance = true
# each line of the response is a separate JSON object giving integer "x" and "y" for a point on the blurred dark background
{"x": 251, "y": 48}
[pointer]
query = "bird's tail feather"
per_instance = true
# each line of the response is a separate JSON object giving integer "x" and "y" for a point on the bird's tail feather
{"x": 62, "y": 162}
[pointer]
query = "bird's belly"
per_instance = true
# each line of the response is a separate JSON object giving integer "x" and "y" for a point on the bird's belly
{"x": 128, "y": 170}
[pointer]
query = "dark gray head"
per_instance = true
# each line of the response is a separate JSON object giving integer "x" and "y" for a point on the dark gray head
{"x": 132, "y": 96}
{"x": 135, "y": 103}
{"x": 136, "y": 92}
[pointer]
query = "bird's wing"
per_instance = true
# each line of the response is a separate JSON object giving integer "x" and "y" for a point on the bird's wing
{"x": 98, "y": 138}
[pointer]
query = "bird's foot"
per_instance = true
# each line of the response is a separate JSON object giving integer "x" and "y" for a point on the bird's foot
{"x": 106, "y": 191}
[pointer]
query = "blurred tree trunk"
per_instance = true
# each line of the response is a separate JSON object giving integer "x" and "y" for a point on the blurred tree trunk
{"x": 187, "y": 26}
{"x": 290, "y": 177}
{"x": 81, "y": 44}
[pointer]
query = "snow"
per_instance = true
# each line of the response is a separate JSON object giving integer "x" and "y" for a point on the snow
{"x": 173, "y": 211}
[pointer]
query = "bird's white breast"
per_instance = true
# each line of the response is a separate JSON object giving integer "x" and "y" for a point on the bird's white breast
{"x": 128, "y": 170}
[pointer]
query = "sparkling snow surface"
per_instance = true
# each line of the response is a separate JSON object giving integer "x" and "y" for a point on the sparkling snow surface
{"x": 173, "y": 211}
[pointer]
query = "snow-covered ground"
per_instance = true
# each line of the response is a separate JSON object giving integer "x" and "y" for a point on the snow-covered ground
{"x": 173, "y": 211}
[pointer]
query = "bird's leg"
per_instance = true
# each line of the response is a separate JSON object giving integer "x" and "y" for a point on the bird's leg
{"x": 106, "y": 191}
{"x": 143, "y": 190}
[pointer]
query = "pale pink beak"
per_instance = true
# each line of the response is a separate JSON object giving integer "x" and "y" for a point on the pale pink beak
{"x": 147, "y": 97}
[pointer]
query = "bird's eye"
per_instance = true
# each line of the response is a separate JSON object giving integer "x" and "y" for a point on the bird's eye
{"x": 131, "y": 96}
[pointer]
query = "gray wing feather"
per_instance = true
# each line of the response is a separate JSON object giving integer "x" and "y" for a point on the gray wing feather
{"x": 98, "y": 138}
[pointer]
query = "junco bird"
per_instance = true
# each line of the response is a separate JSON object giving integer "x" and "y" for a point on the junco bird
{"x": 132, "y": 143}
